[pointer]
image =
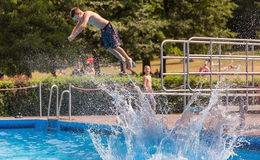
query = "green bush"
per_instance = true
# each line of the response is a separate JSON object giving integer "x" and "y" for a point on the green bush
{"x": 85, "y": 102}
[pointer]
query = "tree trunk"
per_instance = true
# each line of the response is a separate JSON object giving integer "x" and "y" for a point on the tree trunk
{"x": 28, "y": 74}
{"x": 96, "y": 62}
{"x": 53, "y": 71}
{"x": 122, "y": 68}
{"x": 166, "y": 7}
{"x": 164, "y": 66}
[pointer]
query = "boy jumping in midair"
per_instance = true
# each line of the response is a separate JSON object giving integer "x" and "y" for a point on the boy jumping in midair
{"x": 109, "y": 33}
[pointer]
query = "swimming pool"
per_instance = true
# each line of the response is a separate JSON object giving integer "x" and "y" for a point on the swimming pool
{"x": 34, "y": 139}
{"x": 58, "y": 140}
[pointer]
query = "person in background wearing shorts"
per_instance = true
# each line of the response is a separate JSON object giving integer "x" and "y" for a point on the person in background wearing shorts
{"x": 109, "y": 33}
{"x": 147, "y": 83}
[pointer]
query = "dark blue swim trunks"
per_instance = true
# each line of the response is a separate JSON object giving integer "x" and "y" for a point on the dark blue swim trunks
{"x": 110, "y": 36}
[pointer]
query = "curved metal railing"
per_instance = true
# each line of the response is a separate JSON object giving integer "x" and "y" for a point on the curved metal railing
{"x": 61, "y": 99}
{"x": 57, "y": 100}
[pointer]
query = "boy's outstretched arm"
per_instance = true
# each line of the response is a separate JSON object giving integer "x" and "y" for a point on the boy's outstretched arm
{"x": 81, "y": 25}
{"x": 73, "y": 31}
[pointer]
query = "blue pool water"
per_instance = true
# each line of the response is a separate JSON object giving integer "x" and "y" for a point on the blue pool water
{"x": 31, "y": 140}
{"x": 34, "y": 144}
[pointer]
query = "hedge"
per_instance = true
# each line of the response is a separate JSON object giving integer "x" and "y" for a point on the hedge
{"x": 84, "y": 102}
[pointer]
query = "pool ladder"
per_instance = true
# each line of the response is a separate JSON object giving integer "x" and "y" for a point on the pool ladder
{"x": 59, "y": 103}
{"x": 52, "y": 125}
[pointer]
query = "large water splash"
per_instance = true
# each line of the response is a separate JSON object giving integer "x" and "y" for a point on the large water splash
{"x": 209, "y": 135}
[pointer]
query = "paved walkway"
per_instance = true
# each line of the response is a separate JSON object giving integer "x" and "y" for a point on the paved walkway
{"x": 252, "y": 121}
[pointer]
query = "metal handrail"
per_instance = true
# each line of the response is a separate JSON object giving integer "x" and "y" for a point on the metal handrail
{"x": 225, "y": 39}
{"x": 211, "y": 53}
{"x": 213, "y": 73}
{"x": 40, "y": 98}
{"x": 211, "y": 40}
{"x": 187, "y": 56}
{"x": 57, "y": 100}
{"x": 203, "y": 94}
{"x": 187, "y": 91}
{"x": 215, "y": 57}
{"x": 61, "y": 99}
{"x": 209, "y": 90}
{"x": 214, "y": 42}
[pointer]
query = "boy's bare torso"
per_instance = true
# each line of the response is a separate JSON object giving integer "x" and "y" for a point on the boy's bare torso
{"x": 148, "y": 79}
{"x": 96, "y": 20}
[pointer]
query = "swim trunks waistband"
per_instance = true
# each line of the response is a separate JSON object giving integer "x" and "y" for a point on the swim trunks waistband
{"x": 107, "y": 25}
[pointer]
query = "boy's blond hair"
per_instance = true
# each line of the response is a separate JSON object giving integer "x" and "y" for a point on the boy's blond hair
{"x": 74, "y": 11}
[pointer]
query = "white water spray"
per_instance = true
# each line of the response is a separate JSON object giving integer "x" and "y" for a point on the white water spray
{"x": 209, "y": 135}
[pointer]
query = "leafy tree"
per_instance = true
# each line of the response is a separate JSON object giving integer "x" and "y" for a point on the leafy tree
{"x": 145, "y": 25}
{"x": 189, "y": 18}
{"x": 246, "y": 20}
{"x": 34, "y": 35}
{"x": 34, "y": 32}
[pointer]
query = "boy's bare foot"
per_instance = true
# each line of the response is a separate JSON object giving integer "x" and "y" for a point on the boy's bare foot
{"x": 129, "y": 63}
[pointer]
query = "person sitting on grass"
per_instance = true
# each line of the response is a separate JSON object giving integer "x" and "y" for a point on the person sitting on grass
{"x": 78, "y": 70}
{"x": 90, "y": 70}
{"x": 147, "y": 83}
{"x": 109, "y": 33}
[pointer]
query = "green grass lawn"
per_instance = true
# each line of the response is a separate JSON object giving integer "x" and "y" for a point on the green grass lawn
{"x": 173, "y": 65}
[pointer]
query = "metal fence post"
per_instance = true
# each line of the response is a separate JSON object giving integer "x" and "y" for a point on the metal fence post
{"x": 40, "y": 96}
{"x": 69, "y": 101}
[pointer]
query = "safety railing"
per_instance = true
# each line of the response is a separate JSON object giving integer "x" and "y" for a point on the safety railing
{"x": 187, "y": 90}
{"x": 57, "y": 101}
{"x": 61, "y": 99}
{"x": 224, "y": 41}
{"x": 207, "y": 40}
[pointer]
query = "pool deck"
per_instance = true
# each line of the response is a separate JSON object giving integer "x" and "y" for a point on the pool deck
{"x": 252, "y": 121}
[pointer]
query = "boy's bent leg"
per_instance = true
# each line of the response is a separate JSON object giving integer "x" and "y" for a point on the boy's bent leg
{"x": 124, "y": 54}
{"x": 117, "y": 55}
